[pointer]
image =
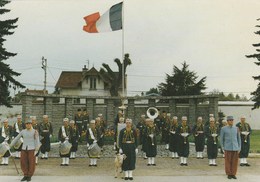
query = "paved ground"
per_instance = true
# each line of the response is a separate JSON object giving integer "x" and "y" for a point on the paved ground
{"x": 167, "y": 169}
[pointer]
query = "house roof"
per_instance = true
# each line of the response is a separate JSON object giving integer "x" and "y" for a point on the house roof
{"x": 35, "y": 92}
{"x": 69, "y": 79}
{"x": 73, "y": 79}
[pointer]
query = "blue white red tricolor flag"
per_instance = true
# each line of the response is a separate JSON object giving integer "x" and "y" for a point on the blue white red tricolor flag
{"x": 109, "y": 21}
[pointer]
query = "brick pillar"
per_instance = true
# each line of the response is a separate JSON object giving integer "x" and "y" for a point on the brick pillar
{"x": 151, "y": 103}
{"x": 131, "y": 109}
{"x": 27, "y": 106}
{"x": 213, "y": 107}
{"x": 192, "y": 111}
{"x": 68, "y": 108}
{"x": 90, "y": 107}
{"x": 172, "y": 107}
{"x": 48, "y": 107}
{"x": 110, "y": 115}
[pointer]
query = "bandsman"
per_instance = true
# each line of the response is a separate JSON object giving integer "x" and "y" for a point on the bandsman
{"x": 17, "y": 128}
{"x": 212, "y": 132}
{"x": 151, "y": 131}
{"x": 128, "y": 146}
{"x": 30, "y": 146}
{"x": 101, "y": 131}
{"x": 5, "y": 138}
{"x": 64, "y": 135}
{"x": 173, "y": 137}
{"x": 103, "y": 122}
{"x": 78, "y": 118}
{"x": 74, "y": 134}
{"x": 92, "y": 138}
{"x": 231, "y": 143}
{"x": 140, "y": 128}
{"x": 120, "y": 125}
{"x": 85, "y": 117}
{"x": 184, "y": 132}
{"x": 46, "y": 132}
{"x": 245, "y": 131}
{"x": 198, "y": 133}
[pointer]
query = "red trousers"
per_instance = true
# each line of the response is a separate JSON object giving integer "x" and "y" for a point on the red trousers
{"x": 231, "y": 162}
{"x": 28, "y": 162}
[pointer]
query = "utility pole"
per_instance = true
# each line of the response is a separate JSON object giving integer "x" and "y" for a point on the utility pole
{"x": 44, "y": 67}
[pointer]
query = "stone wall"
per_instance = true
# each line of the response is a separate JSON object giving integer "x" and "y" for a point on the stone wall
{"x": 190, "y": 106}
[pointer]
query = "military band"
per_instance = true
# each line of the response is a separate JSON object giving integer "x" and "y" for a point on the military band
{"x": 126, "y": 138}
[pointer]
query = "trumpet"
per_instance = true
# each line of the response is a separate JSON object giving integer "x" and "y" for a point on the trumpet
{"x": 151, "y": 136}
{"x": 245, "y": 133}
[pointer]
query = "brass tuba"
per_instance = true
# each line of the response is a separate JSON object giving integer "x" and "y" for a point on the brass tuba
{"x": 152, "y": 113}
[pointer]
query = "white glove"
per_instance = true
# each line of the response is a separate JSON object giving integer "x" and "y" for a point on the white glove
{"x": 6, "y": 139}
{"x": 12, "y": 137}
{"x": 120, "y": 151}
{"x": 7, "y": 146}
{"x": 114, "y": 147}
{"x": 59, "y": 142}
{"x": 87, "y": 145}
{"x": 50, "y": 136}
{"x": 95, "y": 141}
{"x": 67, "y": 138}
{"x": 136, "y": 151}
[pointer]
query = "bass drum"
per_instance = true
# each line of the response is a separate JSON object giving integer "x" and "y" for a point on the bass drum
{"x": 3, "y": 149}
{"x": 94, "y": 150}
{"x": 65, "y": 147}
{"x": 18, "y": 144}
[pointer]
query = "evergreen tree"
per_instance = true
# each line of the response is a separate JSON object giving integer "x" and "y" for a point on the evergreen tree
{"x": 256, "y": 93}
{"x": 182, "y": 82}
{"x": 152, "y": 91}
{"x": 6, "y": 73}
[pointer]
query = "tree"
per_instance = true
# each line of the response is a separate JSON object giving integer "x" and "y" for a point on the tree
{"x": 152, "y": 91}
{"x": 182, "y": 82}
{"x": 6, "y": 73}
{"x": 115, "y": 78}
{"x": 256, "y": 93}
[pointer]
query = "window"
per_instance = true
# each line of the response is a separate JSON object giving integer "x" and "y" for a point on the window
{"x": 93, "y": 84}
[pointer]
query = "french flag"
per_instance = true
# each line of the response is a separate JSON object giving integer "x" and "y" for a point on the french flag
{"x": 111, "y": 20}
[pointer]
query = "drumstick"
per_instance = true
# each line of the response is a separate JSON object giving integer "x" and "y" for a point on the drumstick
{"x": 14, "y": 162}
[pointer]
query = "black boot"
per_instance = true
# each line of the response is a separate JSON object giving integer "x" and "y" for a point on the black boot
{"x": 24, "y": 178}
{"x": 29, "y": 178}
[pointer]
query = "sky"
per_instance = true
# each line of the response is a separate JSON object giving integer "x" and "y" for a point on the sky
{"x": 213, "y": 38}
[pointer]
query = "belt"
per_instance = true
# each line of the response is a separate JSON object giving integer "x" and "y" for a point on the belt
{"x": 45, "y": 130}
{"x": 129, "y": 142}
{"x": 200, "y": 132}
{"x": 78, "y": 121}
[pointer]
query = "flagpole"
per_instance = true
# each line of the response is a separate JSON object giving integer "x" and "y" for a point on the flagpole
{"x": 123, "y": 52}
